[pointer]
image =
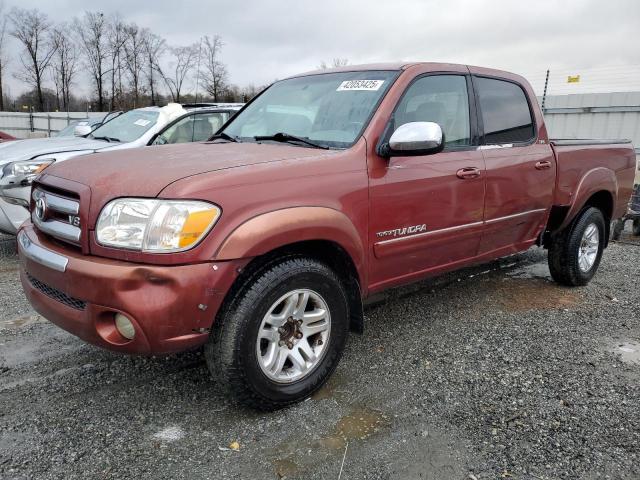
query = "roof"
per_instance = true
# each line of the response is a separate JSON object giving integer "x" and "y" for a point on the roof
{"x": 403, "y": 66}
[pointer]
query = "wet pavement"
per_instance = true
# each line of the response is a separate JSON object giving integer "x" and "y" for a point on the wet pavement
{"x": 491, "y": 372}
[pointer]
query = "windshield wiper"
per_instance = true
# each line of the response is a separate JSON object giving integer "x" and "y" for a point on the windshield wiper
{"x": 224, "y": 136}
{"x": 108, "y": 139}
{"x": 286, "y": 137}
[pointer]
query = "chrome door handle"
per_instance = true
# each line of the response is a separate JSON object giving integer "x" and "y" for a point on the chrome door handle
{"x": 543, "y": 164}
{"x": 468, "y": 172}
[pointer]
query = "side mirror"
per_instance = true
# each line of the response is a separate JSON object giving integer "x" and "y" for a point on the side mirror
{"x": 82, "y": 130}
{"x": 414, "y": 138}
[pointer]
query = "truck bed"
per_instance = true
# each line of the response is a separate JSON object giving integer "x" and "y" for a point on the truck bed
{"x": 581, "y": 161}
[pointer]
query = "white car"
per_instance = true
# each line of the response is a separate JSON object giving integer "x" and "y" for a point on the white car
{"x": 21, "y": 161}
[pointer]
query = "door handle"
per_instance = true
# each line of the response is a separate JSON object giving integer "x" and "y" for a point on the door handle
{"x": 543, "y": 164}
{"x": 468, "y": 172}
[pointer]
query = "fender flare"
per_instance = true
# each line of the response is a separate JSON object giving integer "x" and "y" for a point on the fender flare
{"x": 278, "y": 228}
{"x": 594, "y": 181}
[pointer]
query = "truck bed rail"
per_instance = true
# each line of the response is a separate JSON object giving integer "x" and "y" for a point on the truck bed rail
{"x": 564, "y": 142}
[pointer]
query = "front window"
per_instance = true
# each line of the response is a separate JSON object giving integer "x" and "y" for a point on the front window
{"x": 329, "y": 109}
{"x": 127, "y": 127}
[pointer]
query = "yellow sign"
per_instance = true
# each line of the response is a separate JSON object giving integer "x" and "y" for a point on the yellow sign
{"x": 573, "y": 79}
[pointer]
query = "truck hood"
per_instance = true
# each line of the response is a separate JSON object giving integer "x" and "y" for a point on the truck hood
{"x": 37, "y": 147}
{"x": 145, "y": 172}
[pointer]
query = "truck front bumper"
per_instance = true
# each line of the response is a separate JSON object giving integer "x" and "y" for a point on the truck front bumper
{"x": 171, "y": 307}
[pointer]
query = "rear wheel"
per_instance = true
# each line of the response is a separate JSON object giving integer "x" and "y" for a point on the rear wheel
{"x": 636, "y": 227}
{"x": 575, "y": 252}
{"x": 281, "y": 335}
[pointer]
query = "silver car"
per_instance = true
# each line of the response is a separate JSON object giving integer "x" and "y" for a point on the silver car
{"x": 22, "y": 161}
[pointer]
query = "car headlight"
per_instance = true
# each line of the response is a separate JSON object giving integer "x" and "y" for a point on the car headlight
{"x": 157, "y": 226}
{"x": 26, "y": 170}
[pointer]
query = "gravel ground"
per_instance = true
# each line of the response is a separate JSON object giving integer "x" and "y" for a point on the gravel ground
{"x": 492, "y": 372}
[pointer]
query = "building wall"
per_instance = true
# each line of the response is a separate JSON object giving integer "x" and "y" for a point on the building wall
{"x": 595, "y": 115}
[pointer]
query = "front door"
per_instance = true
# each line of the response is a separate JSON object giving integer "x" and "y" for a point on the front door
{"x": 427, "y": 211}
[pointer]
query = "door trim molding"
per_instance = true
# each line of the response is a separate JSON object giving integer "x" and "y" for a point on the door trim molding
{"x": 460, "y": 227}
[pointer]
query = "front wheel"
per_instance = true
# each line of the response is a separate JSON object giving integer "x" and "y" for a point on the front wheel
{"x": 282, "y": 334}
{"x": 575, "y": 252}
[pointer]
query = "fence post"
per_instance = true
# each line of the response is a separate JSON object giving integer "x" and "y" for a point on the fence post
{"x": 31, "y": 119}
{"x": 48, "y": 124}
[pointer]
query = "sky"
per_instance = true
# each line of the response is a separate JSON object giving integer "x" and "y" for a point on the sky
{"x": 270, "y": 39}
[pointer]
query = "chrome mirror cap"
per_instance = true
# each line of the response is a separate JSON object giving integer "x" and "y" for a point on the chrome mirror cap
{"x": 416, "y": 138}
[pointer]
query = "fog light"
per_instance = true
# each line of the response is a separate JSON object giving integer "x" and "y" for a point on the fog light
{"x": 125, "y": 327}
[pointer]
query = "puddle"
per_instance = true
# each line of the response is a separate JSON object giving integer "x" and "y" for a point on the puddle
{"x": 516, "y": 294}
{"x": 535, "y": 270}
{"x": 22, "y": 321}
{"x": 629, "y": 352}
{"x": 295, "y": 456}
{"x": 331, "y": 389}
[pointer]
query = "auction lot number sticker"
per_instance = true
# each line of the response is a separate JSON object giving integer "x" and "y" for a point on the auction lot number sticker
{"x": 360, "y": 85}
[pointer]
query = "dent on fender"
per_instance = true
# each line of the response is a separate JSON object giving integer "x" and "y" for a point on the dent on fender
{"x": 595, "y": 180}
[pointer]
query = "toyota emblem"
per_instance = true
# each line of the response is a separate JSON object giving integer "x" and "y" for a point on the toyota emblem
{"x": 41, "y": 208}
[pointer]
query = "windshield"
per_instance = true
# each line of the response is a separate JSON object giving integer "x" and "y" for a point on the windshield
{"x": 329, "y": 109}
{"x": 127, "y": 127}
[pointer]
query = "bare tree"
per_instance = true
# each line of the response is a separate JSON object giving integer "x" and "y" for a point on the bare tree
{"x": 92, "y": 35}
{"x": 117, "y": 38}
{"x": 154, "y": 48}
{"x": 134, "y": 58}
{"x": 335, "y": 63}
{"x": 180, "y": 66}
{"x": 3, "y": 60}
{"x": 214, "y": 75}
{"x": 64, "y": 65}
{"x": 31, "y": 28}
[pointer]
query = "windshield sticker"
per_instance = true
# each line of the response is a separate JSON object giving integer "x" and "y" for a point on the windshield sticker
{"x": 142, "y": 122}
{"x": 360, "y": 85}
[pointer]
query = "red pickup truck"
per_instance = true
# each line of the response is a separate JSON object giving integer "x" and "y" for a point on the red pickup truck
{"x": 262, "y": 243}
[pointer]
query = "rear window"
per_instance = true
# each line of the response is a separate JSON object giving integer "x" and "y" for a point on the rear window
{"x": 505, "y": 111}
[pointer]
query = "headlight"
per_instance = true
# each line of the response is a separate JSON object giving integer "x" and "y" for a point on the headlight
{"x": 25, "y": 171}
{"x": 159, "y": 226}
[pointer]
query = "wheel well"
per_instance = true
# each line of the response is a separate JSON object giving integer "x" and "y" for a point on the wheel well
{"x": 603, "y": 201}
{"x": 327, "y": 252}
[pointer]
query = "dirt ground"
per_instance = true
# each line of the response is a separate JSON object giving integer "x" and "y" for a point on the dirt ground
{"x": 492, "y": 372}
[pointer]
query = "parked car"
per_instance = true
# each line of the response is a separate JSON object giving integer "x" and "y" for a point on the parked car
{"x": 145, "y": 126}
{"x": 328, "y": 187}
{"x": 78, "y": 128}
{"x": 5, "y": 137}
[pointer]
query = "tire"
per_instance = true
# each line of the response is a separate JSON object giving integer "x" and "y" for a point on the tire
{"x": 238, "y": 360}
{"x": 636, "y": 227}
{"x": 564, "y": 252}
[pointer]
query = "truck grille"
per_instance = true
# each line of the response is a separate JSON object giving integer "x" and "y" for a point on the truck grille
{"x": 56, "y": 215}
{"x": 56, "y": 294}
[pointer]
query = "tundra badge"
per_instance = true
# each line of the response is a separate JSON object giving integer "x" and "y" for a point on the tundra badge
{"x": 401, "y": 232}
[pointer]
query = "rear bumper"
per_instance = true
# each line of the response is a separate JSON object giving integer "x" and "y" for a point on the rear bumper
{"x": 171, "y": 307}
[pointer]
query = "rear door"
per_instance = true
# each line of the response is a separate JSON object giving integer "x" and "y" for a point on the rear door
{"x": 427, "y": 211}
{"x": 520, "y": 169}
